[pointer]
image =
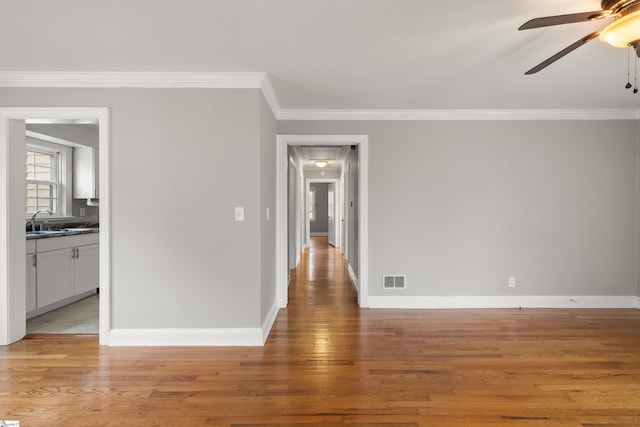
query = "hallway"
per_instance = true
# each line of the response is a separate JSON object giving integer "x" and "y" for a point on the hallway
{"x": 322, "y": 279}
{"x": 328, "y": 362}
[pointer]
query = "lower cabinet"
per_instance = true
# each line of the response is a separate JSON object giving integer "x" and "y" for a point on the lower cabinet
{"x": 86, "y": 266}
{"x": 65, "y": 267}
{"x": 30, "y": 263}
{"x": 54, "y": 276}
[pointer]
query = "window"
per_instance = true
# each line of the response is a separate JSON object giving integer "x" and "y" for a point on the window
{"x": 312, "y": 204}
{"x": 46, "y": 178}
{"x": 42, "y": 180}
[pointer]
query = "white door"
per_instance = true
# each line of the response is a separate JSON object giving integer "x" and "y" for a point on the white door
{"x": 291, "y": 191}
{"x": 331, "y": 211}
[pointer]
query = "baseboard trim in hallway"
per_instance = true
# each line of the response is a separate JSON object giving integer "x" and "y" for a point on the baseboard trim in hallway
{"x": 529, "y": 301}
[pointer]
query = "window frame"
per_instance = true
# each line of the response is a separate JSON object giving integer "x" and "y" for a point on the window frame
{"x": 64, "y": 169}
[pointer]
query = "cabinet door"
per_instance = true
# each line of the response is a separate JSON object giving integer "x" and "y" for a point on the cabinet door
{"x": 55, "y": 276}
{"x": 85, "y": 173}
{"x": 87, "y": 264}
{"x": 31, "y": 282}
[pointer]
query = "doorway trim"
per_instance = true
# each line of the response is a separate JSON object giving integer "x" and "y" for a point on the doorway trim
{"x": 12, "y": 268}
{"x": 282, "y": 161}
{"x": 336, "y": 181}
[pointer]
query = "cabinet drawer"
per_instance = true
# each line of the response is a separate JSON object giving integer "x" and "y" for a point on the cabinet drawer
{"x": 54, "y": 243}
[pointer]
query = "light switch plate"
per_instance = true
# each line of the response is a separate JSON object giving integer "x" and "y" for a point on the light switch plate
{"x": 240, "y": 213}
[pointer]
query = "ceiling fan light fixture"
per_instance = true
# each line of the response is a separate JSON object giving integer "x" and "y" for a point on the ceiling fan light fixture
{"x": 622, "y": 32}
{"x": 321, "y": 163}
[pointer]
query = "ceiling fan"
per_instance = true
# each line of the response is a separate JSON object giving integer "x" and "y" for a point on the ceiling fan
{"x": 624, "y": 31}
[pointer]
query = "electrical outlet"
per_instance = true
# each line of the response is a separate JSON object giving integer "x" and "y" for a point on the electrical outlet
{"x": 83, "y": 211}
{"x": 512, "y": 282}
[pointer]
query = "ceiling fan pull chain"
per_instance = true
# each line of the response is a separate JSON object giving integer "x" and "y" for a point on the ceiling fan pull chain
{"x": 628, "y": 85}
{"x": 635, "y": 77}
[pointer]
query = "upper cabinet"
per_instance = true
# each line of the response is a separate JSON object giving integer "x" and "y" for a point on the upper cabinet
{"x": 85, "y": 174}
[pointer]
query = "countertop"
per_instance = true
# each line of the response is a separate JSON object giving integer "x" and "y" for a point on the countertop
{"x": 58, "y": 233}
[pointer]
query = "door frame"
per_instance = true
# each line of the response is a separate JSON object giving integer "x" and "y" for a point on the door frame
{"x": 12, "y": 267}
{"x": 337, "y": 206}
{"x": 282, "y": 162}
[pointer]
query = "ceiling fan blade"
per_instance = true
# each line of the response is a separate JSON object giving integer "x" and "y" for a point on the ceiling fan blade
{"x": 563, "y": 52}
{"x": 548, "y": 21}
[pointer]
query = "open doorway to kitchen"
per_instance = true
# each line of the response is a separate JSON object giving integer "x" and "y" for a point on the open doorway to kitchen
{"x": 349, "y": 188}
{"x": 62, "y": 231}
{"x": 77, "y": 222}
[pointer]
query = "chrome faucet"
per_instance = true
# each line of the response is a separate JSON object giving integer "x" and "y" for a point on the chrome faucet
{"x": 33, "y": 217}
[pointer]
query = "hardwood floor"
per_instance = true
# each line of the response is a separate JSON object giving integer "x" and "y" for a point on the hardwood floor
{"x": 327, "y": 362}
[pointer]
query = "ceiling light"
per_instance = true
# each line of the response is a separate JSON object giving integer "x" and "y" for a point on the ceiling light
{"x": 321, "y": 163}
{"x": 622, "y": 32}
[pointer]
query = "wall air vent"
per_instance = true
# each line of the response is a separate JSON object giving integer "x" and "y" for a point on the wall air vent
{"x": 394, "y": 282}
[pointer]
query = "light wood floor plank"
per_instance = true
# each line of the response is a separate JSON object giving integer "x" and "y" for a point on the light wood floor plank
{"x": 328, "y": 363}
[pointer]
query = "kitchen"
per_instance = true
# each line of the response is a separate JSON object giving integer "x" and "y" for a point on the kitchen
{"x": 62, "y": 224}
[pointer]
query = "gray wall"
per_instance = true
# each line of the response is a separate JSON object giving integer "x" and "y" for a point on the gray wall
{"x": 85, "y": 134}
{"x": 638, "y": 202}
{"x": 268, "y": 128}
{"x": 328, "y": 174}
{"x": 181, "y": 160}
{"x": 460, "y": 206}
{"x": 321, "y": 224}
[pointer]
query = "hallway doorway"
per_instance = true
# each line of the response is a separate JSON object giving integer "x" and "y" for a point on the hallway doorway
{"x": 289, "y": 220}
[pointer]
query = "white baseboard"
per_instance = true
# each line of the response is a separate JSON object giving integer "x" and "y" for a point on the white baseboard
{"x": 269, "y": 321}
{"x": 195, "y": 337}
{"x": 353, "y": 277}
{"x": 258, "y": 336}
{"x": 529, "y": 301}
{"x": 186, "y": 337}
{"x": 319, "y": 233}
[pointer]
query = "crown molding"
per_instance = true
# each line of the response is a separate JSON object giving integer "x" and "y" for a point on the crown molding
{"x": 270, "y": 96}
{"x": 106, "y": 79}
{"x": 462, "y": 115}
{"x": 259, "y": 80}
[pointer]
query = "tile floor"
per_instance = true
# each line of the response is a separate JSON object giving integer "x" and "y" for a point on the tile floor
{"x": 81, "y": 317}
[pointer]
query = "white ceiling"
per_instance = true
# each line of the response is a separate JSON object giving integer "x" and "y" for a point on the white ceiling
{"x": 333, "y": 155}
{"x": 332, "y": 54}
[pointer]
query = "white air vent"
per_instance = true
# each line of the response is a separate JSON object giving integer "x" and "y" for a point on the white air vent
{"x": 394, "y": 282}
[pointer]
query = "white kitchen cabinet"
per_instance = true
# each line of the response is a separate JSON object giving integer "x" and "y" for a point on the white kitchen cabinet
{"x": 54, "y": 276}
{"x": 86, "y": 266}
{"x": 30, "y": 263}
{"x": 66, "y": 267}
{"x": 85, "y": 173}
